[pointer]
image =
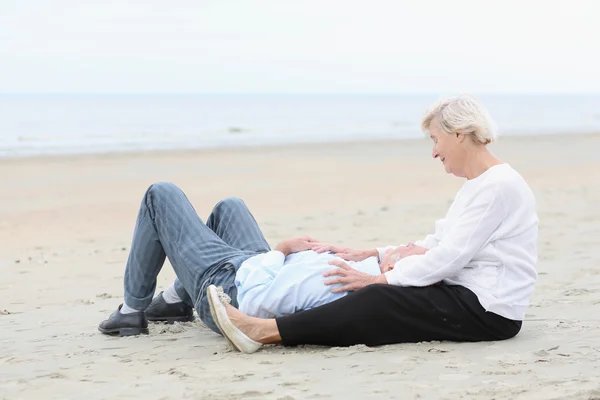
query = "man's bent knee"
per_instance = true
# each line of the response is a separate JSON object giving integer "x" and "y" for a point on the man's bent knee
{"x": 228, "y": 204}
{"x": 160, "y": 189}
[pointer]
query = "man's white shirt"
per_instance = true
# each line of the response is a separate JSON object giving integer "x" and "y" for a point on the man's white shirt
{"x": 271, "y": 285}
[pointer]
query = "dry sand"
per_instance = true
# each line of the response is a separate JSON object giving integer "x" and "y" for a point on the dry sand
{"x": 66, "y": 225}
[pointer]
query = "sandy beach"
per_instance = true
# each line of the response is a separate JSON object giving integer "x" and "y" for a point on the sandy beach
{"x": 65, "y": 231}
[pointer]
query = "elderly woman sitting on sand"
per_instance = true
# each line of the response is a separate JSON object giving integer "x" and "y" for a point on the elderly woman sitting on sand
{"x": 468, "y": 281}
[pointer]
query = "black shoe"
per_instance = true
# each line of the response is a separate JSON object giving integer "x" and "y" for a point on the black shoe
{"x": 124, "y": 324}
{"x": 161, "y": 311}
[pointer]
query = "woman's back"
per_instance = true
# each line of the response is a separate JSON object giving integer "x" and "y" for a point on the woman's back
{"x": 502, "y": 270}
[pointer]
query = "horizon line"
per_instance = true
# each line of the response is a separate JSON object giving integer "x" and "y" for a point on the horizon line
{"x": 117, "y": 93}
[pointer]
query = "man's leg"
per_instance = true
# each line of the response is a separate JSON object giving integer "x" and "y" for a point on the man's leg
{"x": 168, "y": 226}
{"x": 233, "y": 222}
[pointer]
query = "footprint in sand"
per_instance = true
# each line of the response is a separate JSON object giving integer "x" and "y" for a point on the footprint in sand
{"x": 576, "y": 292}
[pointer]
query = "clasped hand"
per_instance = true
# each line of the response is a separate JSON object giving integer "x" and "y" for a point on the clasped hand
{"x": 346, "y": 253}
{"x": 298, "y": 244}
{"x": 303, "y": 243}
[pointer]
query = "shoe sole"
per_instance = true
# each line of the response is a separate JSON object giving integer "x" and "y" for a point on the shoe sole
{"x": 125, "y": 331}
{"x": 229, "y": 330}
{"x": 170, "y": 320}
{"x": 212, "y": 294}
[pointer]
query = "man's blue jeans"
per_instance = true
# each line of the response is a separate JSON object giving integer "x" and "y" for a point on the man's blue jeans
{"x": 201, "y": 254}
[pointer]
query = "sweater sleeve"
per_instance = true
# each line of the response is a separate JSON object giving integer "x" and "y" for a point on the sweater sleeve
{"x": 432, "y": 239}
{"x": 429, "y": 242}
{"x": 468, "y": 234}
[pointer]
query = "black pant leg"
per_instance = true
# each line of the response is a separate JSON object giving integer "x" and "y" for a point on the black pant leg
{"x": 385, "y": 314}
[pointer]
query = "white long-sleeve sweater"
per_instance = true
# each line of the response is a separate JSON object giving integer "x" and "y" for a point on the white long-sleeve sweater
{"x": 487, "y": 243}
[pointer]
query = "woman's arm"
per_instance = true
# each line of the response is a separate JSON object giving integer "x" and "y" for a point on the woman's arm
{"x": 465, "y": 238}
{"x": 432, "y": 240}
{"x": 346, "y": 253}
{"x": 429, "y": 242}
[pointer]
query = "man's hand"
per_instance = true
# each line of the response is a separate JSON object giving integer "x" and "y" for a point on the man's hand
{"x": 392, "y": 256}
{"x": 350, "y": 278}
{"x": 297, "y": 244}
{"x": 345, "y": 252}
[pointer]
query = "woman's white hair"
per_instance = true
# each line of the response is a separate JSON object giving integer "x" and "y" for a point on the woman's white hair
{"x": 462, "y": 114}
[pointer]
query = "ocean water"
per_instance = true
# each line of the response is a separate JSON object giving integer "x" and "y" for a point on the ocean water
{"x": 73, "y": 124}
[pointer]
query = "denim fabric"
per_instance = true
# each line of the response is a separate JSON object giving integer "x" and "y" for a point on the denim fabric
{"x": 168, "y": 226}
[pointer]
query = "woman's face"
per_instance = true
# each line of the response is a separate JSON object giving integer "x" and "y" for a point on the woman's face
{"x": 447, "y": 147}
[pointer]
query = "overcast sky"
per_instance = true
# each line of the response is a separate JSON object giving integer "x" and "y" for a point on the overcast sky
{"x": 308, "y": 46}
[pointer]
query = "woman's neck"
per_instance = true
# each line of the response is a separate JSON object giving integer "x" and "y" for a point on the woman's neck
{"x": 480, "y": 160}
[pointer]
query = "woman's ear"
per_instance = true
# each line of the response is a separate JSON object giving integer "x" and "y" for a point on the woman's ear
{"x": 460, "y": 137}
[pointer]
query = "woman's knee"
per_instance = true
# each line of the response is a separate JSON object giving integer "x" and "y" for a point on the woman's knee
{"x": 511, "y": 330}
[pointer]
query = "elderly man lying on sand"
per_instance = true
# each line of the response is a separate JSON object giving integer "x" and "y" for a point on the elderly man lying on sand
{"x": 231, "y": 252}
{"x": 470, "y": 280}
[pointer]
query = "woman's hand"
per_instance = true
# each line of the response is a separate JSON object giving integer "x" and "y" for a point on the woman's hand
{"x": 297, "y": 244}
{"x": 392, "y": 256}
{"x": 350, "y": 278}
{"x": 345, "y": 252}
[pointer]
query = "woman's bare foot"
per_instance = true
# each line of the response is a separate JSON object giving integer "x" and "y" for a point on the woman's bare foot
{"x": 261, "y": 330}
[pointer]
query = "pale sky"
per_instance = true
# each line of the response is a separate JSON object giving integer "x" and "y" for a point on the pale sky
{"x": 308, "y": 46}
